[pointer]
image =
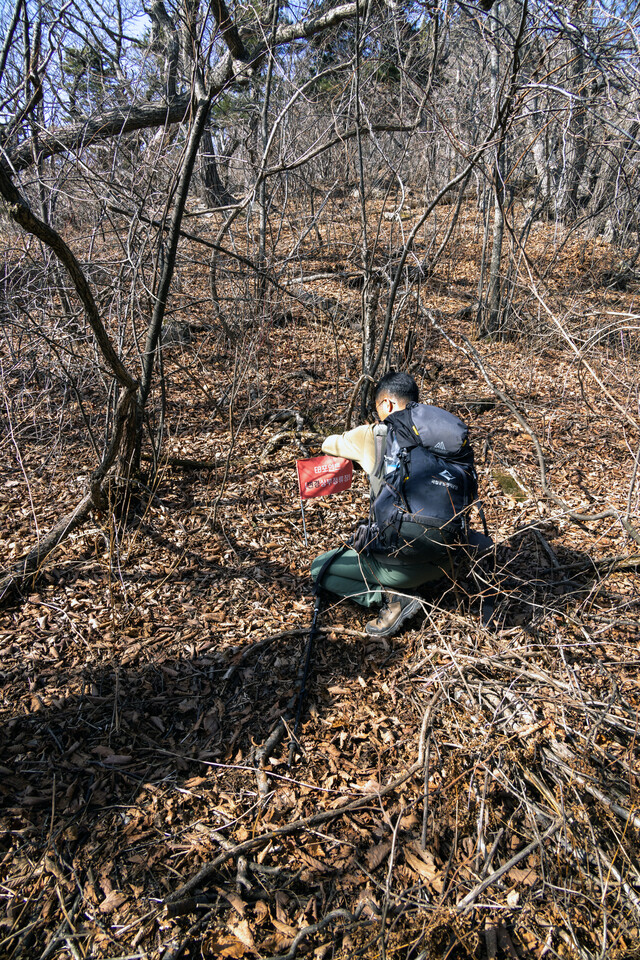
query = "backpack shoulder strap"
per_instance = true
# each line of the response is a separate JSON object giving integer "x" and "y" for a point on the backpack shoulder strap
{"x": 376, "y": 478}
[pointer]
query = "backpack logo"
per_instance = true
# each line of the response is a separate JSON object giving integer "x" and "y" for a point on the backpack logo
{"x": 440, "y": 446}
{"x": 446, "y": 475}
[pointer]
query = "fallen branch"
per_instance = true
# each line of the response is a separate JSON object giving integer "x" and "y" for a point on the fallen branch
{"x": 62, "y": 932}
{"x": 629, "y": 818}
{"x": 340, "y": 914}
{"x": 297, "y": 826}
{"x": 605, "y": 565}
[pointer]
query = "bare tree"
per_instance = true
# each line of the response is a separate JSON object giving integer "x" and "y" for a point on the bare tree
{"x": 203, "y": 56}
{"x": 105, "y": 127}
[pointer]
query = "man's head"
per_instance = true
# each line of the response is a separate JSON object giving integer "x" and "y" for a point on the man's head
{"x": 393, "y": 392}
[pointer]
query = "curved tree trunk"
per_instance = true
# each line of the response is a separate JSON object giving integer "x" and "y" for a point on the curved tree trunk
{"x": 126, "y": 440}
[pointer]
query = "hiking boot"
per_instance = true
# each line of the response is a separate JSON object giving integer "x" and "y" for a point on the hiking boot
{"x": 393, "y": 614}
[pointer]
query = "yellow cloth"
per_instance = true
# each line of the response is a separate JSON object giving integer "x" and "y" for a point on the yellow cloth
{"x": 357, "y": 444}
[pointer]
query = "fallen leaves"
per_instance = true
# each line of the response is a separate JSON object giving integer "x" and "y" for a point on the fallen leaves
{"x": 423, "y": 863}
{"x": 220, "y": 944}
{"x": 156, "y": 658}
{"x": 242, "y": 932}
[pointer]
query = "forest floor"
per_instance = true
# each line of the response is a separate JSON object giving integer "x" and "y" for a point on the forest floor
{"x": 459, "y": 791}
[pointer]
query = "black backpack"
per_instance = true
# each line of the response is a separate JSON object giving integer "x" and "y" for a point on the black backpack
{"x": 427, "y": 481}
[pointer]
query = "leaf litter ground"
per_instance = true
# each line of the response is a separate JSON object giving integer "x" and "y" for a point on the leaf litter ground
{"x": 459, "y": 791}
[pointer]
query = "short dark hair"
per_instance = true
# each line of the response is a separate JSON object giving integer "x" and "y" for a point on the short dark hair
{"x": 398, "y": 386}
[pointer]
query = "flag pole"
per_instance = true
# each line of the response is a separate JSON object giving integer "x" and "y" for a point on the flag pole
{"x": 304, "y": 526}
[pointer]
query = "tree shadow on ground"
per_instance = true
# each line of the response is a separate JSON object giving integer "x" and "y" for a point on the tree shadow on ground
{"x": 120, "y": 779}
{"x": 115, "y": 776}
{"x": 527, "y": 578}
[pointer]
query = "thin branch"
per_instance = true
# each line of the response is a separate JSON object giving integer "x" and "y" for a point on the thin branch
{"x": 463, "y": 905}
{"x": 23, "y": 215}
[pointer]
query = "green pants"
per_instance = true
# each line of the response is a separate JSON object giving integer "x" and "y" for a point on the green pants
{"x": 363, "y": 577}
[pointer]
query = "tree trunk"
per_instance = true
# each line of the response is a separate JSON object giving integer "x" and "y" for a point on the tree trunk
{"x": 215, "y": 192}
{"x": 492, "y": 321}
{"x": 490, "y": 316}
{"x": 575, "y": 154}
{"x": 544, "y": 161}
{"x": 132, "y": 454}
{"x": 370, "y": 299}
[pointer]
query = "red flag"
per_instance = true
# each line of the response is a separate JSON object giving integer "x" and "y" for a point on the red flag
{"x": 321, "y": 476}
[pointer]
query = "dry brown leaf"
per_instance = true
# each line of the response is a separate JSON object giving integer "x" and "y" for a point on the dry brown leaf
{"x": 423, "y": 863}
{"x": 378, "y": 854}
{"x": 369, "y": 903}
{"x": 112, "y": 901}
{"x": 371, "y": 786}
{"x": 236, "y": 902}
{"x": 409, "y": 821}
{"x": 526, "y": 876}
{"x": 424, "y": 869}
{"x": 225, "y": 947}
{"x": 317, "y": 865}
{"x": 118, "y": 759}
{"x": 262, "y": 911}
{"x": 264, "y": 853}
{"x": 284, "y": 928}
{"x": 241, "y": 930}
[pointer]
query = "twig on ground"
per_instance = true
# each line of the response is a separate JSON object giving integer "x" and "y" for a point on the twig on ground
{"x": 297, "y": 826}
{"x": 463, "y": 905}
{"x": 340, "y": 914}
